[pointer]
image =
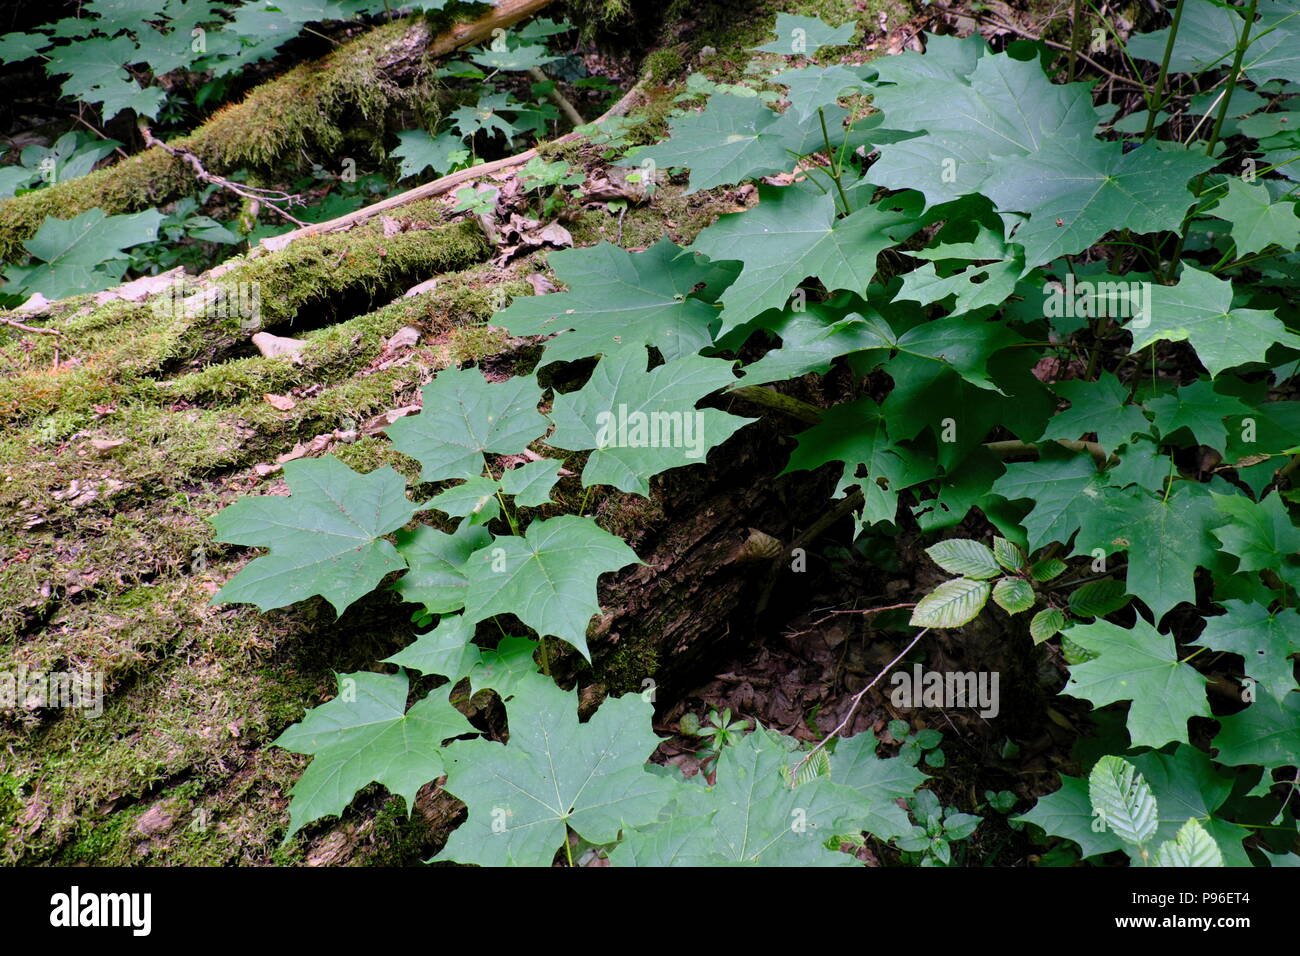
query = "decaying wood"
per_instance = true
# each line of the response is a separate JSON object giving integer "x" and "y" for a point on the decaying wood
{"x": 439, "y": 186}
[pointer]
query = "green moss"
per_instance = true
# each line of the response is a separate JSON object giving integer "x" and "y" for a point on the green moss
{"x": 663, "y": 65}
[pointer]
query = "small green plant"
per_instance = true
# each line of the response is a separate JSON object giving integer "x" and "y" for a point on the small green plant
{"x": 913, "y": 746}
{"x": 720, "y": 731}
{"x": 931, "y": 842}
{"x": 551, "y": 182}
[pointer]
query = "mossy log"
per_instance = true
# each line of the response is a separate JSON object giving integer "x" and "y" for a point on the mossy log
{"x": 317, "y": 106}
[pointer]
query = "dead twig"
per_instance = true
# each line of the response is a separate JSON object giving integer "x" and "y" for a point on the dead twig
{"x": 268, "y": 197}
{"x": 29, "y": 328}
{"x": 857, "y": 699}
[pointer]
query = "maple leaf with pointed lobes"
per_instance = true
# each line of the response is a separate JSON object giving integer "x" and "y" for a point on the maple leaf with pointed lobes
{"x": 1257, "y": 221}
{"x": 324, "y": 538}
{"x": 367, "y": 735}
{"x": 618, "y": 298}
{"x": 640, "y": 423}
{"x": 803, "y": 36}
{"x": 969, "y": 127}
{"x": 464, "y": 416}
{"x": 1265, "y": 642}
{"x": 555, "y": 774}
{"x": 436, "y": 559}
{"x": 792, "y": 234}
{"x": 1075, "y": 191}
{"x": 735, "y": 138}
{"x": 857, "y": 434}
{"x": 745, "y": 817}
{"x": 1140, "y": 665}
{"x": 1061, "y": 488}
{"x": 1261, "y": 535}
{"x": 1199, "y": 310}
{"x": 1169, "y": 538}
{"x": 546, "y": 577}
{"x": 1199, "y": 409}
{"x": 1101, "y": 407}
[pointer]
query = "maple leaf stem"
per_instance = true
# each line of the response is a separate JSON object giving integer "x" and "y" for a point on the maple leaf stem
{"x": 1076, "y": 36}
{"x": 1153, "y": 98}
{"x": 833, "y": 172}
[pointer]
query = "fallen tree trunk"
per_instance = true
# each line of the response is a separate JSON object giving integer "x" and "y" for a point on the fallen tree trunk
{"x": 303, "y": 109}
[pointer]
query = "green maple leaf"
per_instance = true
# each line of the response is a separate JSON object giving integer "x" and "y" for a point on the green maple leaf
{"x": 803, "y": 36}
{"x": 793, "y": 233}
{"x": 464, "y": 416}
{"x": 367, "y": 735}
{"x": 812, "y": 339}
{"x": 485, "y": 116}
{"x": 1102, "y": 407}
{"x": 1257, "y": 221}
{"x": 324, "y": 538}
{"x": 642, "y": 423}
{"x": 733, "y": 139}
{"x": 1061, "y": 488}
{"x": 555, "y": 774}
{"x": 523, "y": 57}
{"x": 752, "y": 816}
{"x": 857, "y": 434}
{"x": 1168, "y": 538}
{"x": 71, "y": 251}
{"x": 1076, "y": 191}
{"x": 618, "y": 298}
{"x": 1199, "y": 310}
{"x": 970, "y": 126}
{"x": 546, "y": 578}
{"x": 437, "y": 560}
{"x": 1199, "y": 409}
{"x": 814, "y": 87}
{"x": 1266, "y": 733}
{"x": 447, "y": 650}
{"x": 531, "y": 484}
{"x": 1139, "y": 665}
{"x": 419, "y": 151}
{"x": 975, "y": 286}
{"x": 1265, "y": 642}
{"x": 1261, "y": 535}
{"x": 474, "y": 498}
{"x": 1068, "y": 813}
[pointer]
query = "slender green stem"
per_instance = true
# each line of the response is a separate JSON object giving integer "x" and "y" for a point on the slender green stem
{"x": 833, "y": 172}
{"x": 1076, "y": 37}
{"x": 582, "y": 509}
{"x": 1233, "y": 74}
{"x": 1154, "y": 97}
